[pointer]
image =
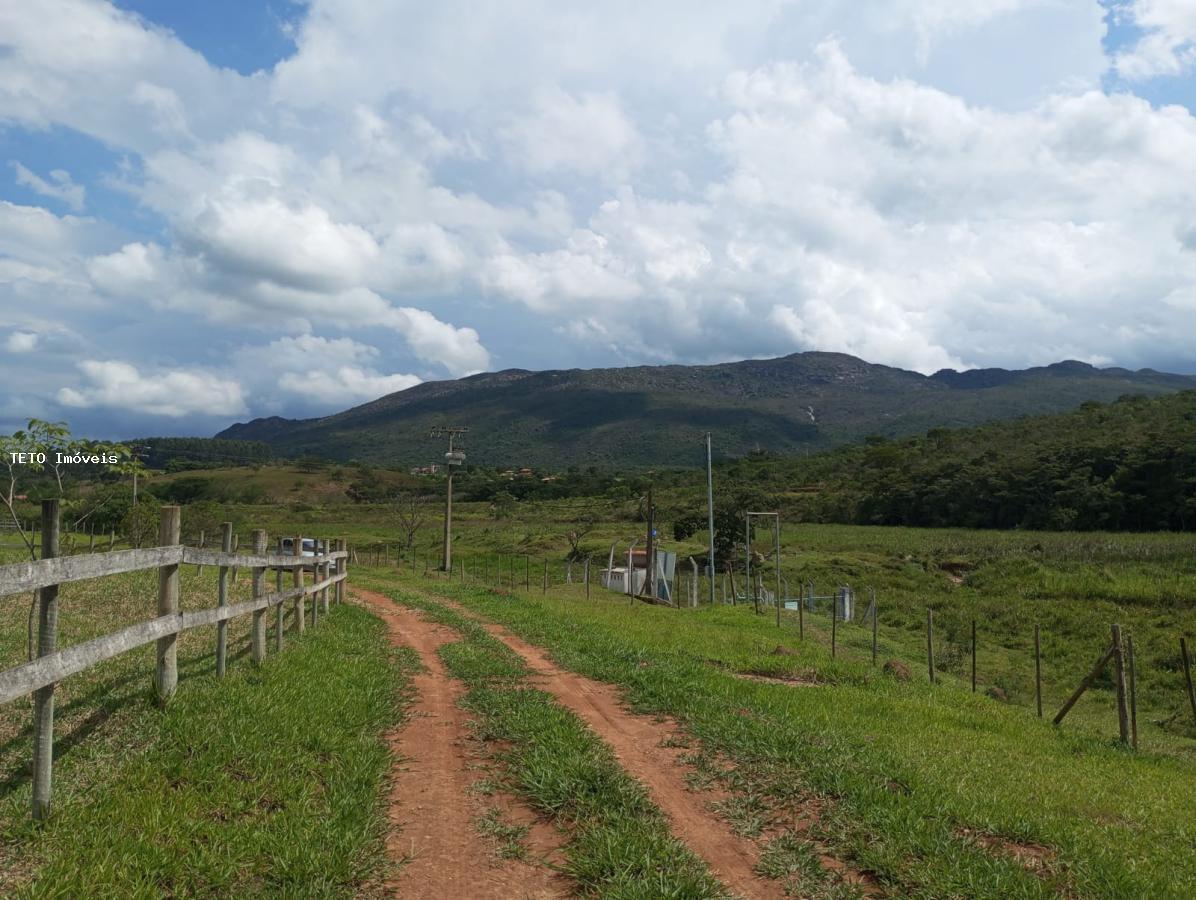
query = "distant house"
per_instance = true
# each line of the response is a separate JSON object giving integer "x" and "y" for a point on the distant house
{"x": 425, "y": 470}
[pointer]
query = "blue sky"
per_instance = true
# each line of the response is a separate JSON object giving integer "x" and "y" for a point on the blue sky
{"x": 210, "y": 212}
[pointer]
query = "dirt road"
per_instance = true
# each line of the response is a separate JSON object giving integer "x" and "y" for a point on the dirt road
{"x": 433, "y": 813}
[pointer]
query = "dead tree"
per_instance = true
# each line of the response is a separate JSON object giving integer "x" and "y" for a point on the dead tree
{"x": 576, "y": 535}
{"x": 410, "y": 514}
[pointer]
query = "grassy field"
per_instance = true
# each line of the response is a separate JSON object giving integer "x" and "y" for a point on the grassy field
{"x": 265, "y": 783}
{"x": 937, "y": 792}
{"x": 1074, "y": 586}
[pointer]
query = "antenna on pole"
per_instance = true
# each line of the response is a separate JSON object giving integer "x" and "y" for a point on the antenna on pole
{"x": 452, "y": 459}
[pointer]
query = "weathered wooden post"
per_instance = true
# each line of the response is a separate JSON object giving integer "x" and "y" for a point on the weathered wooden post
{"x": 1123, "y": 712}
{"x": 1183, "y": 652}
{"x": 300, "y": 612}
{"x": 1085, "y": 684}
{"x": 801, "y": 618}
{"x": 202, "y": 544}
{"x": 1129, "y": 647}
{"x": 258, "y": 632}
{"x": 317, "y": 571}
{"x": 43, "y": 698}
{"x": 279, "y": 611}
{"x": 226, "y": 545}
{"x": 930, "y": 643}
{"x": 166, "y": 674}
{"x": 235, "y": 547}
{"x": 327, "y": 573}
{"x": 1038, "y": 670}
{"x": 91, "y": 541}
{"x": 111, "y": 539}
{"x": 341, "y": 567}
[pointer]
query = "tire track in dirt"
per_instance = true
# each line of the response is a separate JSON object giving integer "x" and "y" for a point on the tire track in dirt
{"x": 640, "y": 744}
{"x": 432, "y": 814}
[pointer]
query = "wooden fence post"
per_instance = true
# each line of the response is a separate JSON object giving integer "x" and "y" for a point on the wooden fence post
{"x": 43, "y": 698}
{"x": 801, "y": 617}
{"x": 91, "y": 541}
{"x": 166, "y": 675}
{"x": 930, "y": 643}
{"x": 1038, "y": 670}
{"x": 111, "y": 539}
{"x": 279, "y": 612}
{"x": 341, "y": 568}
{"x": 235, "y": 547}
{"x": 327, "y": 572}
{"x": 258, "y": 633}
{"x": 202, "y": 544}
{"x": 1123, "y": 712}
{"x": 1183, "y": 652}
{"x": 1129, "y": 647}
{"x": 226, "y": 544}
{"x": 1084, "y": 685}
{"x": 300, "y": 611}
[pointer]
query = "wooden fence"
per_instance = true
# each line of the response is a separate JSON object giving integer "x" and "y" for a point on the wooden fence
{"x": 40, "y": 676}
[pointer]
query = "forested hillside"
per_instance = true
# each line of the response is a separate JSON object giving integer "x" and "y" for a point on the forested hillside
{"x": 1128, "y": 465}
{"x": 646, "y": 416}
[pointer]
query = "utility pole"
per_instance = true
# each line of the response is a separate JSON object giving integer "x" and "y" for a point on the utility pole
{"x": 650, "y": 557}
{"x": 451, "y": 459}
{"x": 710, "y": 516}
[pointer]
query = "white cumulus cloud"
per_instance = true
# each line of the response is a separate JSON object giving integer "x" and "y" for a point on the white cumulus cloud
{"x": 173, "y": 393}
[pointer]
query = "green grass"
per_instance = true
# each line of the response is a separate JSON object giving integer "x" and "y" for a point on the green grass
{"x": 619, "y": 845}
{"x": 910, "y": 773}
{"x": 267, "y": 783}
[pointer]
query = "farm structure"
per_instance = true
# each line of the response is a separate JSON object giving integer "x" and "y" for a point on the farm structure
{"x": 632, "y": 576}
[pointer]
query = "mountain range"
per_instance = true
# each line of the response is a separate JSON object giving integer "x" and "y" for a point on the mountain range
{"x": 657, "y": 415}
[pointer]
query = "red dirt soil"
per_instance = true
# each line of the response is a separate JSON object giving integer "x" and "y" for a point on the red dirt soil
{"x": 433, "y": 814}
{"x": 639, "y": 744}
